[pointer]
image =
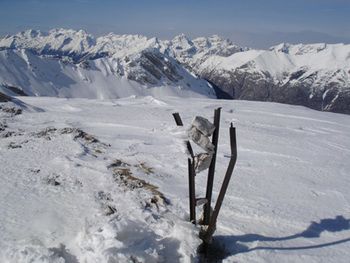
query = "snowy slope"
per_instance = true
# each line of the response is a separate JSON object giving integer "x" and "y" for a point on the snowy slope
{"x": 193, "y": 53}
{"x": 68, "y": 63}
{"x": 279, "y": 62}
{"x": 316, "y": 76}
{"x": 313, "y": 75}
{"x": 64, "y": 199}
{"x": 143, "y": 73}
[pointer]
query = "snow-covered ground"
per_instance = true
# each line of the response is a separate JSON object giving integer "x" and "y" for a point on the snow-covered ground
{"x": 79, "y": 182}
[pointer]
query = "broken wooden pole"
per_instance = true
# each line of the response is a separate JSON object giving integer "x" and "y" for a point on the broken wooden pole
{"x": 191, "y": 174}
{"x": 178, "y": 122}
{"x": 211, "y": 172}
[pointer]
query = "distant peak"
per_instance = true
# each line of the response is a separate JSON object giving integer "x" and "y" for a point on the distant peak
{"x": 283, "y": 47}
{"x": 182, "y": 42}
{"x": 218, "y": 37}
{"x": 299, "y": 49}
{"x": 32, "y": 33}
{"x": 181, "y": 36}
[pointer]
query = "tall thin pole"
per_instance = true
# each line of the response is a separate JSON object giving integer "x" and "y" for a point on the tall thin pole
{"x": 191, "y": 174}
{"x": 224, "y": 186}
{"x": 192, "y": 192}
{"x": 211, "y": 171}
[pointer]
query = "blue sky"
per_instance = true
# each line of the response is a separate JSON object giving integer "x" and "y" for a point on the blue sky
{"x": 252, "y": 23}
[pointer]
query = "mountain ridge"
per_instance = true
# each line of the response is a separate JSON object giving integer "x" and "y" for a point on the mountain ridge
{"x": 312, "y": 75}
{"x": 141, "y": 74}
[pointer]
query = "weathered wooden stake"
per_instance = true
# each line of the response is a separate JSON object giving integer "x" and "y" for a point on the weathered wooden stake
{"x": 209, "y": 220}
{"x": 192, "y": 191}
{"x": 211, "y": 228}
{"x": 211, "y": 172}
{"x": 191, "y": 174}
{"x": 178, "y": 119}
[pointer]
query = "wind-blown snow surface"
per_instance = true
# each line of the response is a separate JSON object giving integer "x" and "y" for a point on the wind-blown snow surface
{"x": 57, "y": 182}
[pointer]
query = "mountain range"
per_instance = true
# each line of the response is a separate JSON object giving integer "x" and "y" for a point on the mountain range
{"x": 69, "y": 63}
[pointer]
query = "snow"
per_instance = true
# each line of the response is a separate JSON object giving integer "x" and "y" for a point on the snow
{"x": 78, "y": 44}
{"x": 120, "y": 66}
{"x": 95, "y": 169}
{"x": 288, "y": 200}
{"x": 231, "y": 62}
{"x": 45, "y": 76}
{"x": 276, "y": 62}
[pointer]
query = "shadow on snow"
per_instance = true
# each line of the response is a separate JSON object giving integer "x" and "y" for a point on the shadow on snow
{"x": 225, "y": 246}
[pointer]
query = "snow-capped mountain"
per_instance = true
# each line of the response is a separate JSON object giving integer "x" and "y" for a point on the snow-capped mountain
{"x": 58, "y": 42}
{"x": 316, "y": 75}
{"x": 67, "y": 63}
{"x": 193, "y": 53}
{"x": 313, "y": 75}
{"x": 79, "y": 45}
{"x": 145, "y": 73}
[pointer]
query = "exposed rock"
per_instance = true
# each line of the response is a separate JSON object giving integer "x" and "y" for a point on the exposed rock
{"x": 12, "y": 110}
{"x": 15, "y": 90}
{"x": 202, "y": 162}
{"x": 299, "y": 90}
{"x": 123, "y": 175}
{"x": 4, "y": 97}
{"x": 200, "y": 139}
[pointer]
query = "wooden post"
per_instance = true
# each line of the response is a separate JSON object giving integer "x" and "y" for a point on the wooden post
{"x": 178, "y": 119}
{"x": 192, "y": 192}
{"x": 212, "y": 224}
{"x": 179, "y": 123}
{"x": 191, "y": 174}
{"x": 210, "y": 180}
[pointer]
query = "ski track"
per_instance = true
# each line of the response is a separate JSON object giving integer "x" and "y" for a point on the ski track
{"x": 292, "y": 170}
